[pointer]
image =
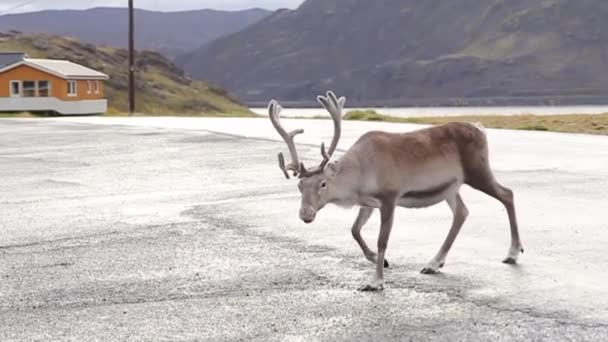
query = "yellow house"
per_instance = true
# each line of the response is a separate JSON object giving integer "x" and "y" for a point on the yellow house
{"x": 49, "y": 85}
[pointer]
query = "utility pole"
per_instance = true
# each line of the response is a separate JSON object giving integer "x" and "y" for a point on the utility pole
{"x": 131, "y": 60}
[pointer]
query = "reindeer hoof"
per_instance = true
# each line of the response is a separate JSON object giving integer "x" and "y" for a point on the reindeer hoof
{"x": 385, "y": 263}
{"x": 428, "y": 270}
{"x": 510, "y": 261}
{"x": 371, "y": 288}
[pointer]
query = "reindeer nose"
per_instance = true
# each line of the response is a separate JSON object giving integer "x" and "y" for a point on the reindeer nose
{"x": 307, "y": 214}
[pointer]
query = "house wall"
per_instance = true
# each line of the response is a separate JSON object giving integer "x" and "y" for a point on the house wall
{"x": 59, "y": 86}
{"x": 82, "y": 90}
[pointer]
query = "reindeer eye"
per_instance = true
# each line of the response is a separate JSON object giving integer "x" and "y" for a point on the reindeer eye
{"x": 323, "y": 184}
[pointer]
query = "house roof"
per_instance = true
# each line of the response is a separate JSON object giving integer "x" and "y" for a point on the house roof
{"x": 61, "y": 68}
{"x": 7, "y": 58}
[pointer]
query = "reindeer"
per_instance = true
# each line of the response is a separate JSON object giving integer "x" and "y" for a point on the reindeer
{"x": 385, "y": 170}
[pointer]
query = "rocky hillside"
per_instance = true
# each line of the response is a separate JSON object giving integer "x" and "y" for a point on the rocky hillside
{"x": 162, "y": 88}
{"x": 400, "y": 52}
{"x": 170, "y": 33}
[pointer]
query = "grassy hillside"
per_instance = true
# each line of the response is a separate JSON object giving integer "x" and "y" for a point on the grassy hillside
{"x": 162, "y": 88}
{"x": 420, "y": 53}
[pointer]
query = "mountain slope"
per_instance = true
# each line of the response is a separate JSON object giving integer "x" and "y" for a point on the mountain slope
{"x": 161, "y": 87}
{"x": 170, "y": 33}
{"x": 418, "y": 52}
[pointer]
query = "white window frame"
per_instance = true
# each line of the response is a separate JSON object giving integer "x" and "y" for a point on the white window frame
{"x": 96, "y": 87}
{"x": 49, "y": 88}
{"x": 75, "y": 88}
{"x": 35, "y": 88}
{"x": 20, "y": 88}
{"x": 89, "y": 85}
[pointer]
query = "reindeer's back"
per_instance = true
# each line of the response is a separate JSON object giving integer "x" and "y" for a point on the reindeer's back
{"x": 458, "y": 137}
{"x": 441, "y": 152}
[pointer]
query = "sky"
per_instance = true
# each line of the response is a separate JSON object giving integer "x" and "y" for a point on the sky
{"x": 9, "y": 6}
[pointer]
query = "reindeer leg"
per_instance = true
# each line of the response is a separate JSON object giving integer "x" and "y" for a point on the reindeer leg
{"x": 491, "y": 187}
{"x": 362, "y": 218}
{"x": 505, "y": 196}
{"x": 460, "y": 212}
{"x": 386, "y": 214}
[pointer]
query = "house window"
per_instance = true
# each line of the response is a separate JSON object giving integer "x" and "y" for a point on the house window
{"x": 44, "y": 89}
{"x": 29, "y": 88}
{"x": 96, "y": 87}
{"x": 88, "y": 87}
{"x": 72, "y": 88}
{"x": 15, "y": 88}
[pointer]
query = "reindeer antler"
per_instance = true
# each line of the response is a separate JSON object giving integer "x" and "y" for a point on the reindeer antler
{"x": 304, "y": 173}
{"x": 274, "y": 111}
{"x": 335, "y": 108}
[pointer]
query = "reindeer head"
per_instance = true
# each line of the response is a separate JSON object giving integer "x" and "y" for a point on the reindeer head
{"x": 316, "y": 185}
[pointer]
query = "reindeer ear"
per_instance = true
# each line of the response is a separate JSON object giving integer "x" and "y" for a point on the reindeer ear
{"x": 331, "y": 169}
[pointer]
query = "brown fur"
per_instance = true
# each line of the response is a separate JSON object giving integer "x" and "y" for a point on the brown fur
{"x": 406, "y": 153}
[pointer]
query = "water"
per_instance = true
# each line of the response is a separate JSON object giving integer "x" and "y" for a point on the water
{"x": 412, "y": 112}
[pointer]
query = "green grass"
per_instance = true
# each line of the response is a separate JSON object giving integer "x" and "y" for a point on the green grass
{"x": 15, "y": 115}
{"x": 536, "y": 127}
{"x": 372, "y": 115}
{"x": 573, "y": 123}
{"x": 365, "y": 115}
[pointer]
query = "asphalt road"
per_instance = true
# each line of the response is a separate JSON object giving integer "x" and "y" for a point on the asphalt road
{"x": 185, "y": 229}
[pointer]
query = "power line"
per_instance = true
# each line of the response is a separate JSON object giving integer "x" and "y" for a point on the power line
{"x": 17, "y": 6}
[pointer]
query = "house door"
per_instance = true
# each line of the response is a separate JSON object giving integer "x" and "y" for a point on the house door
{"x": 16, "y": 89}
